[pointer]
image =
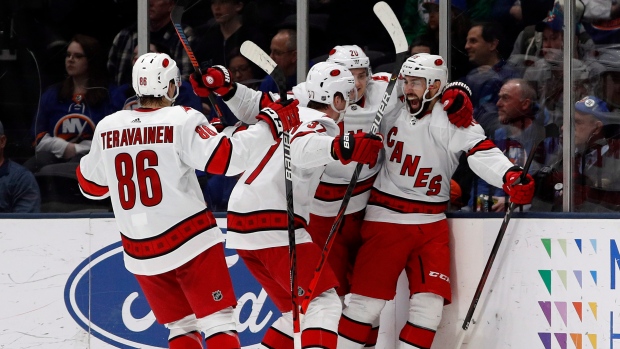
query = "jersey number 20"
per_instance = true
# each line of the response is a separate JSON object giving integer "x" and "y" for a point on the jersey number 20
{"x": 149, "y": 184}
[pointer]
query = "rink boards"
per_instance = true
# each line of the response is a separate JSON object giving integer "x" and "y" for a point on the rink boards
{"x": 63, "y": 285}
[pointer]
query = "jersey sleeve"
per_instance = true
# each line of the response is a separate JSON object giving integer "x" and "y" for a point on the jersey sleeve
{"x": 246, "y": 103}
{"x": 311, "y": 144}
{"x": 205, "y": 149}
{"x": 91, "y": 173}
{"x": 483, "y": 157}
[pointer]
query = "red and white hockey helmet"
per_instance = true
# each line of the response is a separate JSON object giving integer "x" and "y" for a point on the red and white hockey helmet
{"x": 325, "y": 79}
{"x": 350, "y": 56}
{"x": 427, "y": 66}
{"x": 152, "y": 73}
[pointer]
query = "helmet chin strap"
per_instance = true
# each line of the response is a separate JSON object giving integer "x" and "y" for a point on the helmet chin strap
{"x": 425, "y": 104}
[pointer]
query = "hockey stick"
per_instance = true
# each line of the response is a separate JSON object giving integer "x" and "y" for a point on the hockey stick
{"x": 175, "y": 17}
{"x": 391, "y": 24}
{"x": 494, "y": 250}
{"x": 259, "y": 57}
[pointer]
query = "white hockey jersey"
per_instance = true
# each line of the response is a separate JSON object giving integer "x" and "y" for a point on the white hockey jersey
{"x": 358, "y": 117}
{"x": 257, "y": 207}
{"x": 413, "y": 185}
{"x": 144, "y": 159}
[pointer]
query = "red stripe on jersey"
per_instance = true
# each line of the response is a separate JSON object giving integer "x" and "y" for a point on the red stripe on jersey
{"x": 90, "y": 188}
{"x": 171, "y": 239}
{"x": 240, "y": 128}
{"x": 265, "y": 100}
{"x": 318, "y": 338}
{"x": 191, "y": 340}
{"x": 263, "y": 163}
{"x": 353, "y": 330}
{"x": 335, "y": 192}
{"x": 403, "y": 205}
{"x": 416, "y": 336}
{"x": 483, "y": 145}
{"x": 246, "y": 223}
{"x": 301, "y": 134}
{"x": 220, "y": 158}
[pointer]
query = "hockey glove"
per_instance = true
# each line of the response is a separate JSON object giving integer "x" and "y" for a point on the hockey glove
{"x": 218, "y": 79}
{"x": 200, "y": 89}
{"x": 520, "y": 193}
{"x": 456, "y": 101}
{"x": 281, "y": 116}
{"x": 361, "y": 147}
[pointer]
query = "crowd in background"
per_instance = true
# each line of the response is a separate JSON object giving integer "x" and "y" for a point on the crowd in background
{"x": 64, "y": 67}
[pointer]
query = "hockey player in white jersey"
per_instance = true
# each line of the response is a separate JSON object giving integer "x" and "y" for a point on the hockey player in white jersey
{"x": 257, "y": 206}
{"x": 328, "y": 197}
{"x": 405, "y": 227}
{"x": 144, "y": 159}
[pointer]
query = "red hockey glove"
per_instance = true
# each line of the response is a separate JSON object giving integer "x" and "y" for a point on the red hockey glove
{"x": 199, "y": 88}
{"x": 217, "y": 123}
{"x": 218, "y": 80}
{"x": 361, "y": 147}
{"x": 281, "y": 116}
{"x": 456, "y": 101}
{"x": 520, "y": 193}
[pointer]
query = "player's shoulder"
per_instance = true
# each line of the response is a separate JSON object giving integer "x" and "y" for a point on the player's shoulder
{"x": 310, "y": 118}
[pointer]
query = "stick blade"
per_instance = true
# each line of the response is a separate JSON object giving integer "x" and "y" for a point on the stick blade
{"x": 255, "y": 54}
{"x": 392, "y": 25}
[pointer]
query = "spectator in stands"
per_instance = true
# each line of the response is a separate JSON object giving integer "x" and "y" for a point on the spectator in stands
{"x": 459, "y": 26}
{"x": 610, "y": 78}
{"x": 284, "y": 53}
{"x": 596, "y": 172}
{"x": 124, "y": 97}
{"x": 600, "y": 20}
{"x": 546, "y": 40}
{"x": 217, "y": 40}
{"x": 516, "y": 112}
{"x": 120, "y": 57}
{"x": 484, "y": 42}
{"x": 422, "y": 45}
{"x": 19, "y": 191}
{"x": 69, "y": 110}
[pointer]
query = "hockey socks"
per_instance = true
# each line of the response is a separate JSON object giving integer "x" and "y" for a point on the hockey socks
{"x": 415, "y": 337}
{"x": 191, "y": 340}
{"x": 223, "y": 340}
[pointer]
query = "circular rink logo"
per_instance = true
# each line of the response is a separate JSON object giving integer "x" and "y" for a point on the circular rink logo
{"x": 106, "y": 300}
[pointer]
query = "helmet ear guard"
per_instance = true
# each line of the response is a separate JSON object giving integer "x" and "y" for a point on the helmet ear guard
{"x": 326, "y": 79}
{"x": 152, "y": 74}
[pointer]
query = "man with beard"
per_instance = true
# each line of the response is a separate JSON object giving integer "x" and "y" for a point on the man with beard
{"x": 405, "y": 227}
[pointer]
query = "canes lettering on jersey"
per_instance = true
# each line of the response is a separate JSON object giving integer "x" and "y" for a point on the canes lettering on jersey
{"x": 410, "y": 166}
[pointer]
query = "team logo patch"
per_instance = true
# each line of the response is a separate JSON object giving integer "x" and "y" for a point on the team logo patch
{"x": 210, "y": 79}
{"x": 217, "y": 295}
{"x": 589, "y": 103}
{"x": 300, "y": 291}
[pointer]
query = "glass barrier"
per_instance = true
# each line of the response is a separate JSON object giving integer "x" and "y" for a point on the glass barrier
{"x": 59, "y": 77}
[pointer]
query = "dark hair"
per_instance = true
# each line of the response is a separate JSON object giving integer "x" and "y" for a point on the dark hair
{"x": 97, "y": 92}
{"x": 492, "y": 31}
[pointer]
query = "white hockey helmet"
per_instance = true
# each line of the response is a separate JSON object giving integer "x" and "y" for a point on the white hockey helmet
{"x": 350, "y": 56}
{"x": 325, "y": 79}
{"x": 429, "y": 67}
{"x": 152, "y": 73}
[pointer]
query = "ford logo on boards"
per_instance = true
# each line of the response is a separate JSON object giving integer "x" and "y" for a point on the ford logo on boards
{"x": 106, "y": 300}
